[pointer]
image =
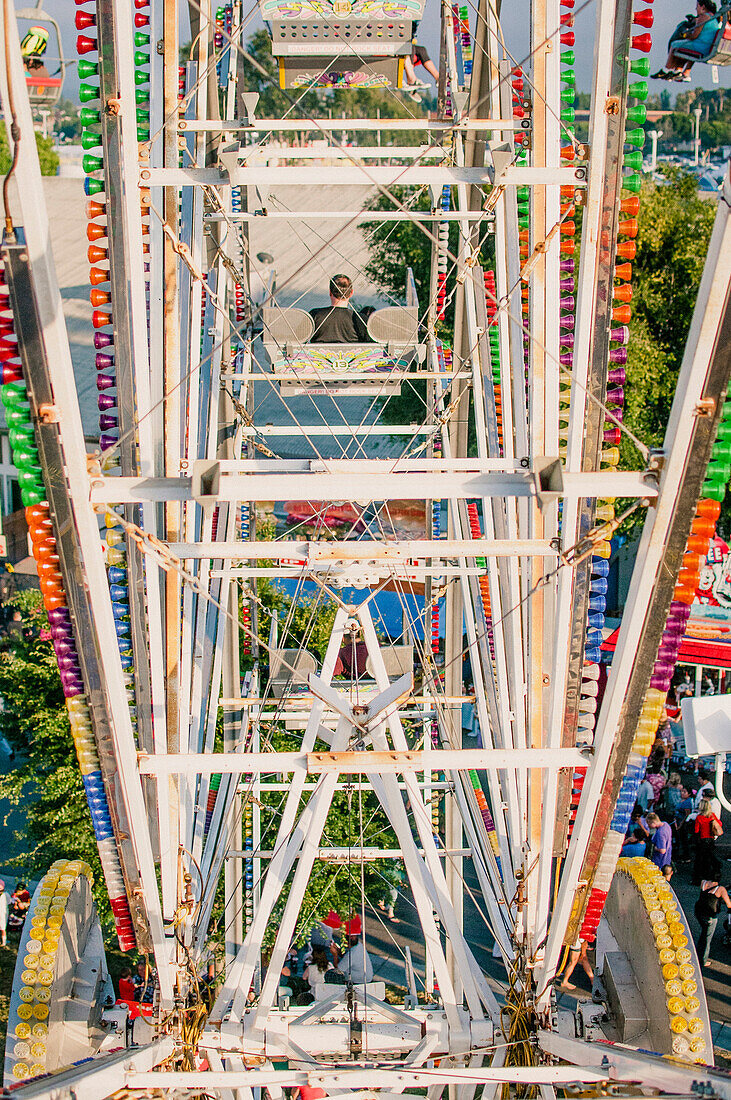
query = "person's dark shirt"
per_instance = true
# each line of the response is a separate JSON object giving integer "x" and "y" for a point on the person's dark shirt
{"x": 338, "y": 325}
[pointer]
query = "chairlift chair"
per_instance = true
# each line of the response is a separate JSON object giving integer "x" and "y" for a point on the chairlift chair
{"x": 349, "y": 370}
{"x": 44, "y": 88}
{"x": 720, "y": 52}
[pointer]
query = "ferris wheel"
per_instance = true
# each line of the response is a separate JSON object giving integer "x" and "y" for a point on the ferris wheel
{"x": 307, "y": 539}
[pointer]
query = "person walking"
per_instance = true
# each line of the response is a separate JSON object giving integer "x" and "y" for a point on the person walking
{"x": 706, "y": 912}
{"x": 707, "y": 830}
{"x": 4, "y": 910}
{"x": 661, "y": 844}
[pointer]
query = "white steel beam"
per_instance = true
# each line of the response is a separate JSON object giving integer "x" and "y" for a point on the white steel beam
{"x": 363, "y": 486}
{"x": 350, "y": 215}
{"x": 240, "y": 973}
{"x": 333, "y": 125}
{"x": 101, "y": 1076}
{"x": 356, "y": 175}
{"x": 370, "y": 762}
{"x": 586, "y": 289}
{"x": 205, "y": 1080}
{"x": 364, "y": 550}
{"x": 260, "y": 154}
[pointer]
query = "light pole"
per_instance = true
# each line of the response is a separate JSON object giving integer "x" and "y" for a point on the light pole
{"x": 654, "y": 135}
{"x": 697, "y": 111}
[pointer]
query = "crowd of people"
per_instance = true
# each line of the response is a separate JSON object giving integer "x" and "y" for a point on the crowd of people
{"x": 336, "y": 955}
{"x": 673, "y": 823}
{"x": 678, "y": 821}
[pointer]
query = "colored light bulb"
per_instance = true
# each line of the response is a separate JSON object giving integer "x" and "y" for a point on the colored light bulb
{"x": 635, "y": 137}
{"x": 85, "y": 45}
{"x": 642, "y": 43}
{"x": 90, "y": 116}
{"x": 86, "y": 68}
{"x": 644, "y": 18}
{"x": 90, "y": 140}
{"x": 92, "y": 186}
{"x": 640, "y": 66}
{"x": 88, "y": 92}
{"x": 91, "y": 163}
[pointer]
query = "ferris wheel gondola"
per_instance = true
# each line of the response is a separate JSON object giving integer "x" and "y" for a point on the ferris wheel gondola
{"x": 44, "y": 86}
{"x": 246, "y": 713}
{"x": 355, "y": 44}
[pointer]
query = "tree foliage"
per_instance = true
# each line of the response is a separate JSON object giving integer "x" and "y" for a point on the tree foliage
{"x": 47, "y": 157}
{"x": 47, "y": 781}
{"x": 674, "y": 229}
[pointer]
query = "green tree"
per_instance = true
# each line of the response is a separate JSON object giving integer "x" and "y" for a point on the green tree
{"x": 47, "y": 157}
{"x": 674, "y": 229}
{"x": 66, "y": 120}
{"x": 47, "y": 781}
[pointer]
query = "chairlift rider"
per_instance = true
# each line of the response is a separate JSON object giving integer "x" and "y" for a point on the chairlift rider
{"x": 32, "y": 49}
{"x": 339, "y": 323}
{"x": 701, "y": 30}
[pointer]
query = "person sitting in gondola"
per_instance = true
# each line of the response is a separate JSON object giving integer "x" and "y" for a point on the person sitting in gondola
{"x": 339, "y": 323}
{"x": 697, "y": 33}
{"x": 32, "y": 49}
